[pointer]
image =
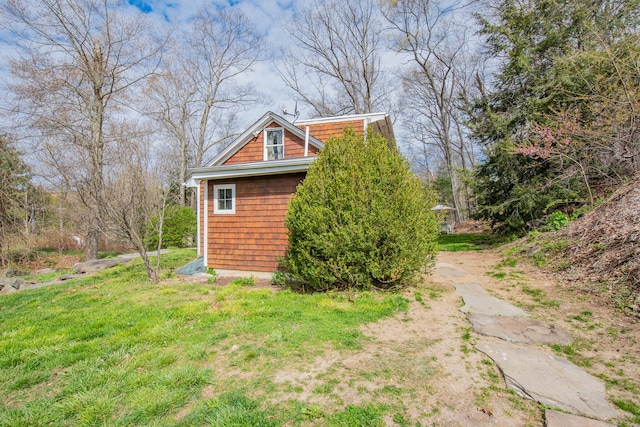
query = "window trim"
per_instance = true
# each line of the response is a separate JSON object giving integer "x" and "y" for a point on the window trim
{"x": 267, "y": 130}
{"x": 216, "y": 209}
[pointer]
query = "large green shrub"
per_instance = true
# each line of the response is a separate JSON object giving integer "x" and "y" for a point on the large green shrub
{"x": 178, "y": 228}
{"x": 360, "y": 218}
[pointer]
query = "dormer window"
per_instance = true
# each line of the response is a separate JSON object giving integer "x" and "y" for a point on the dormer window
{"x": 274, "y": 144}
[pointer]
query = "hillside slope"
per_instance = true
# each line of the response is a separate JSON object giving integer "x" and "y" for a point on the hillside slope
{"x": 602, "y": 250}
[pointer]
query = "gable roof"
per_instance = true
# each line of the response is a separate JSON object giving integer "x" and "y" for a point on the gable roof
{"x": 327, "y": 127}
{"x": 253, "y": 130}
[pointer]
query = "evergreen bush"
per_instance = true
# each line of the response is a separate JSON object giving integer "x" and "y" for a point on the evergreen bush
{"x": 360, "y": 219}
{"x": 178, "y": 228}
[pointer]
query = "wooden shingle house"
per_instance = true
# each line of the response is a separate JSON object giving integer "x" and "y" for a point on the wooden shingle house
{"x": 245, "y": 191}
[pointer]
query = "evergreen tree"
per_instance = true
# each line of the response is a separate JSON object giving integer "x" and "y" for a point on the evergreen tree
{"x": 535, "y": 123}
{"x": 14, "y": 183}
{"x": 360, "y": 218}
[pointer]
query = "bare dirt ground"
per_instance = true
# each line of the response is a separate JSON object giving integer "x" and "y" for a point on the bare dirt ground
{"x": 423, "y": 361}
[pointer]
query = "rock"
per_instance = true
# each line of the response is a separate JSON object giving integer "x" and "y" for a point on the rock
{"x": 9, "y": 285}
{"x": 8, "y": 290}
{"x": 470, "y": 289}
{"x": 12, "y": 272}
{"x": 518, "y": 329}
{"x": 447, "y": 271}
{"x": 478, "y": 300}
{"x": 560, "y": 419}
{"x": 549, "y": 380}
{"x": 91, "y": 267}
{"x": 491, "y": 306}
{"x": 45, "y": 271}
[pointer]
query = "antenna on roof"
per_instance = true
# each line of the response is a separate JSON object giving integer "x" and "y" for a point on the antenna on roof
{"x": 295, "y": 113}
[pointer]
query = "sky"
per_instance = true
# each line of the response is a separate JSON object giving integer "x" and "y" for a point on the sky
{"x": 268, "y": 16}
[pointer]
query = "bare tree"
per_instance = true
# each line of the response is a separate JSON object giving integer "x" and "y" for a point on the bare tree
{"x": 436, "y": 43}
{"x": 199, "y": 93}
{"x": 171, "y": 99}
{"x": 137, "y": 194}
{"x": 336, "y": 65}
{"x": 78, "y": 60}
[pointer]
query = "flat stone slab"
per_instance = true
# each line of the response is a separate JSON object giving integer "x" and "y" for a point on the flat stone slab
{"x": 489, "y": 305}
{"x": 518, "y": 329}
{"x": 560, "y": 419}
{"x": 94, "y": 266}
{"x": 449, "y": 270}
{"x": 549, "y": 380}
{"x": 470, "y": 289}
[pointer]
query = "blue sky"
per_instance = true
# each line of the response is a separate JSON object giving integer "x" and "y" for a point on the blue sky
{"x": 266, "y": 15}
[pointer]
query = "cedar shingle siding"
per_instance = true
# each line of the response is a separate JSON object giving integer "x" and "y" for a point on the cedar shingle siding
{"x": 324, "y": 131}
{"x": 253, "y": 151}
{"x": 255, "y": 236}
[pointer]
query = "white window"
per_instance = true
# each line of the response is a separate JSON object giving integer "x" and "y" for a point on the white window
{"x": 224, "y": 199}
{"x": 274, "y": 144}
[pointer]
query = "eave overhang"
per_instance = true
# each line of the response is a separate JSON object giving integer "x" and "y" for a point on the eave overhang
{"x": 273, "y": 167}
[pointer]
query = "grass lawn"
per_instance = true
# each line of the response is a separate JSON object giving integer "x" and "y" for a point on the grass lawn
{"x": 114, "y": 350}
{"x": 464, "y": 242}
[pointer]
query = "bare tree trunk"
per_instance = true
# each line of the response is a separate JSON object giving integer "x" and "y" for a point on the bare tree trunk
{"x": 77, "y": 59}
{"x": 183, "y": 172}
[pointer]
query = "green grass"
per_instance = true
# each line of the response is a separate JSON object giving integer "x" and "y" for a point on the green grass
{"x": 630, "y": 407}
{"x": 464, "y": 242}
{"x": 113, "y": 349}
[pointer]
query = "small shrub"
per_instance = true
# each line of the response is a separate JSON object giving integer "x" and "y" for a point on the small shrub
{"x": 214, "y": 275}
{"x": 360, "y": 218}
{"x": 556, "y": 221}
{"x": 245, "y": 281}
{"x": 279, "y": 279}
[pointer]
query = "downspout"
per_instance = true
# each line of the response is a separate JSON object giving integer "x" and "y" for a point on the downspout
{"x": 206, "y": 222}
{"x": 367, "y": 122}
{"x": 199, "y": 216}
{"x": 306, "y": 141}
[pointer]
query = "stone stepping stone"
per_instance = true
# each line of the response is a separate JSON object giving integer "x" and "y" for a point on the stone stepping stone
{"x": 549, "y": 380}
{"x": 470, "y": 289}
{"x": 518, "y": 329}
{"x": 449, "y": 270}
{"x": 491, "y": 306}
{"x": 560, "y": 419}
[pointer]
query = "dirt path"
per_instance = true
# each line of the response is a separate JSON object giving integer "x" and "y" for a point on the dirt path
{"x": 424, "y": 366}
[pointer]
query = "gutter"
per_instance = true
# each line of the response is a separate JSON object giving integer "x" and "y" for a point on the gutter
{"x": 274, "y": 167}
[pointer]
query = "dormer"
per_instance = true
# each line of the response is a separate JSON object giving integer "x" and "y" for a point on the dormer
{"x": 272, "y": 138}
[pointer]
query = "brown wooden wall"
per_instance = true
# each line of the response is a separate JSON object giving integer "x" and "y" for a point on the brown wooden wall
{"x": 202, "y": 210}
{"x": 253, "y": 151}
{"x": 254, "y": 237}
{"x": 324, "y": 131}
